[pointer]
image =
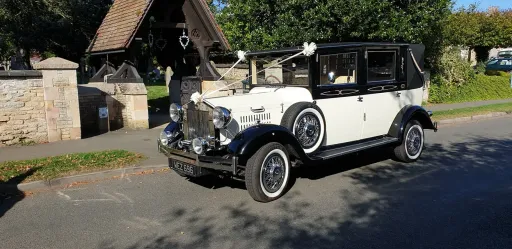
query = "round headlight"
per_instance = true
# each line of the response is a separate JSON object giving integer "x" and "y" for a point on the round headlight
{"x": 198, "y": 144}
{"x": 221, "y": 117}
{"x": 176, "y": 113}
{"x": 163, "y": 138}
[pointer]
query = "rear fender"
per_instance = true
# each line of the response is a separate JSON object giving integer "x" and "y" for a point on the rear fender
{"x": 409, "y": 113}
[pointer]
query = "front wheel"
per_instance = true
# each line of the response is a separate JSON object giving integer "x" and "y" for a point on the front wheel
{"x": 267, "y": 173}
{"x": 412, "y": 143}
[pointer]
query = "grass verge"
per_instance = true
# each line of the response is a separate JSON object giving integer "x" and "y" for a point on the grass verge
{"x": 65, "y": 165}
{"x": 472, "y": 111}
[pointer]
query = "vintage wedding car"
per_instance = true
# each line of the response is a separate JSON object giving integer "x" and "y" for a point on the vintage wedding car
{"x": 343, "y": 98}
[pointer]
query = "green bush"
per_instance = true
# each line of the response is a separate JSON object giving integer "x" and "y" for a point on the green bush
{"x": 453, "y": 69}
{"x": 480, "y": 68}
{"x": 482, "y": 87}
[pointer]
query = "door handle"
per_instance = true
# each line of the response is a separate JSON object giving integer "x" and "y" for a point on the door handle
{"x": 360, "y": 99}
{"x": 262, "y": 109}
{"x": 398, "y": 94}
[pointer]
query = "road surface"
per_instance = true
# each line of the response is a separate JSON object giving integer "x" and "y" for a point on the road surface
{"x": 459, "y": 195}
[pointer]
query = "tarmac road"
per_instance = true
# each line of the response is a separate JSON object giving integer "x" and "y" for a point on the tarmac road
{"x": 459, "y": 195}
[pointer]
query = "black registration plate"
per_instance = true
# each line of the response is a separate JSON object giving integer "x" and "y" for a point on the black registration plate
{"x": 185, "y": 168}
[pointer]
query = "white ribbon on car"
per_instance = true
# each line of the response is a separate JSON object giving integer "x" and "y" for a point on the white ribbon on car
{"x": 309, "y": 49}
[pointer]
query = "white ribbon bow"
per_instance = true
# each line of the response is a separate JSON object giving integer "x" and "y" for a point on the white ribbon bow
{"x": 196, "y": 98}
{"x": 309, "y": 49}
{"x": 241, "y": 55}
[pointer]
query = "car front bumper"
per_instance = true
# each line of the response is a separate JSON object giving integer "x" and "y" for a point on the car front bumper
{"x": 211, "y": 163}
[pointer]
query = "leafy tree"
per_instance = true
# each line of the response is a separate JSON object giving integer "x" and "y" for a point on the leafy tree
{"x": 61, "y": 27}
{"x": 478, "y": 30}
{"x": 266, "y": 24}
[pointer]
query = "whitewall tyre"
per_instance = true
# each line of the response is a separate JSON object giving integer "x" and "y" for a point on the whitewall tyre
{"x": 412, "y": 144}
{"x": 306, "y": 122}
{"x": 267, "y": 173}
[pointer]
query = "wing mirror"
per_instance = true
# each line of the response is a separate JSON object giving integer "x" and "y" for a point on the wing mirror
{"x": 332, "y": 77}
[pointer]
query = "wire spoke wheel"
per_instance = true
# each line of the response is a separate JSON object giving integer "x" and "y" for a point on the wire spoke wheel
{"x": 273, "y": 173}
{"x": 413, "y": 141}
{"x": 307, "y": 129}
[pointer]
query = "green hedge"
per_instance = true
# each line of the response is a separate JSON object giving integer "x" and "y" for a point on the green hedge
{"x": 482, "y": 87}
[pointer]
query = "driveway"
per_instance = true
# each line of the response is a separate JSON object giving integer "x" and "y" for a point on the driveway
{"x": 459, "y": 195}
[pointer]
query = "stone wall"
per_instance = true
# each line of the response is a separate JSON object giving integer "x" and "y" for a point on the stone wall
{"x": 126, "y": 102}
{"x": 22, "y": 109}
{"x": 240, "y": 72}
{"x": 40, "y": 105}
{"x": 90, "y": 102}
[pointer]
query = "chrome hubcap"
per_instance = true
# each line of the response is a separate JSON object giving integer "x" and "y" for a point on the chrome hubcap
{"x": 273, "y": 173}
{"x": 307, "y": 130}
{"x": 413, "y": 142}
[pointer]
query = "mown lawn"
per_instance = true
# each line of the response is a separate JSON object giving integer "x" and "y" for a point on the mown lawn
{"x": 65, "y": 165}
{"x": 158, "y": 98}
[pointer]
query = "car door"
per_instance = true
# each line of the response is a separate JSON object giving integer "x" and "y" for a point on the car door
{"x": 337, "y": 92}
{"x": 385, "y": 82}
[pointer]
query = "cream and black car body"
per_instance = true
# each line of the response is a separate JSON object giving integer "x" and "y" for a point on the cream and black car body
{"x": 345, "y": 98}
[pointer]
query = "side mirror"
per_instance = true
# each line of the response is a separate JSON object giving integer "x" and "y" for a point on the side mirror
{"x": 332, "y": 77}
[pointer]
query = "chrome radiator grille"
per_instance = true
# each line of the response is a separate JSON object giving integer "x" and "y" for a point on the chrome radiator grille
{"x": 197, "y": 124}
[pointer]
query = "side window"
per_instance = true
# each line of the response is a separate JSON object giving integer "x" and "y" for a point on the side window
{"x": 381, "y": 66}
{"x": 337, "y": 69}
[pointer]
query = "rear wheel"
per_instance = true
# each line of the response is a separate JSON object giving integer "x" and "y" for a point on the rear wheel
{"x": 268, "y": 173}
{"x": 412, "y": 143}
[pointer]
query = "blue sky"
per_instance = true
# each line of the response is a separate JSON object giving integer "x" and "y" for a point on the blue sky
{"x": 484, "y": 4}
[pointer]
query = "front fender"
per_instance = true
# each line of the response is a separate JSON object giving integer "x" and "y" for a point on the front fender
{"x": 405, "y": 115}
{"x": 250, "y": 140}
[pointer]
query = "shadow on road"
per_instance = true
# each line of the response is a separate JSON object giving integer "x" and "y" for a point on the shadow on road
{"x": 10, "y": 194}
{"x": 458, "y": 195}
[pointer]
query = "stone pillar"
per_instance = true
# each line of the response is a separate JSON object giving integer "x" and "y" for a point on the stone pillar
{"x": 60, "y": 98}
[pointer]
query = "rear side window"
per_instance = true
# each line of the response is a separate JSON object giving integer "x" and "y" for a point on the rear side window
{"x": 381, "y": 66}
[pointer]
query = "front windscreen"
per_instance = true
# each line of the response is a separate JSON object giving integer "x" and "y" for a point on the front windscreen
{"x": 275, "y": 70}
{"x": 506, "y": 54}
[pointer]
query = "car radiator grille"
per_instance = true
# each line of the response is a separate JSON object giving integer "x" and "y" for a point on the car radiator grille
{"x": 198, "y": 124}
{"x": 250, "y": 120}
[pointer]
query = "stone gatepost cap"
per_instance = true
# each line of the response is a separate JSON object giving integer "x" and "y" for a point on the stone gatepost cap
{"x": 55, "y": 63}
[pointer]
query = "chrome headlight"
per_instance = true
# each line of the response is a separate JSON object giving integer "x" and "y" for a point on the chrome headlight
{"x": 199, "y": 145}
{"x": 176, "y": 113}
{"x": 164, "y": 139}
{"x": 221, "y": 117}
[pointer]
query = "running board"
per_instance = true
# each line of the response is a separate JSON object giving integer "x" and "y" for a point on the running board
{"x": 328, "y": 154}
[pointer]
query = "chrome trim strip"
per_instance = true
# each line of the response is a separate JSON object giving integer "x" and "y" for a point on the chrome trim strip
{"x": 382, "y": 88}
{"x": 339, "y": 92}
{"x": 235, "y": 163}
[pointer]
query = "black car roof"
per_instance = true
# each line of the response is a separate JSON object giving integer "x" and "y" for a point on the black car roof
{"x": 322, "y": 46}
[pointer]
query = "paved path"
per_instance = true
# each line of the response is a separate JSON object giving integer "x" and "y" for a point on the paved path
{"x": 444, "y": 107}
{"x": 143, "y": 141}
{"x": 459, "y": 195}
